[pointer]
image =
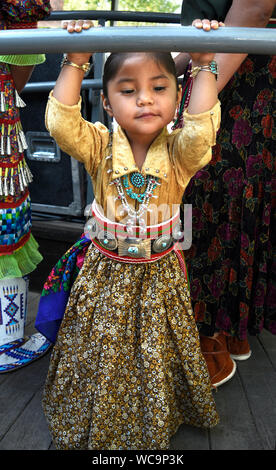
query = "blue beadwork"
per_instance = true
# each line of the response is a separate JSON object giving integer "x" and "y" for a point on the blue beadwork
{"x": 137, "y": 180}
{"x": 136, "y": 196}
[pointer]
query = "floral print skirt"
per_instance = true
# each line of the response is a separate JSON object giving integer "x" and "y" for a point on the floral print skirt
{"x": 232, "y": 262}
{"x": 126, "y": 369}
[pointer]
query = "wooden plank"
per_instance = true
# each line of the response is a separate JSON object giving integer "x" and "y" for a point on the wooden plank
{"x": 258, "y": 377}
{"x": 268, "y": 342}
{"x": 17, "y": 389}
{"x": 30, "y": 430}
{"x": 246, "y": 405}
{"x": 190, "y": 438}
{"x": 236, "y": 430}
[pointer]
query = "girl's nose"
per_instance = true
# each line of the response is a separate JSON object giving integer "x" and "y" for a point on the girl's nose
{"x": 144, "y": 98}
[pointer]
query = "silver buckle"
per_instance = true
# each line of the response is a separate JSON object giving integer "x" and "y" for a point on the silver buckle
{"x": 107, "y": 240}
{"x": 134, "y": 248}
{"x": 162, "y": 243}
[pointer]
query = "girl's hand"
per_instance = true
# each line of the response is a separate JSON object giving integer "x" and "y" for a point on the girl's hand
{"x": 76, "y": 26}
{"x": 206, "y": 25}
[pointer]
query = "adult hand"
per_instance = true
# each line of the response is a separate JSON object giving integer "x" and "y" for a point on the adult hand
{"x": 207, "y": 25}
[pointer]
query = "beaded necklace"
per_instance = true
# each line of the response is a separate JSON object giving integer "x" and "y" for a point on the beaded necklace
{"x": 138, "y": 180}
{"x": 143, "y": 199}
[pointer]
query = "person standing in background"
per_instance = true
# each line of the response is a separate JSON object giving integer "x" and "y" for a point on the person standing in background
{"x": 19, "y": 254}
{"x": 232, "y": 261}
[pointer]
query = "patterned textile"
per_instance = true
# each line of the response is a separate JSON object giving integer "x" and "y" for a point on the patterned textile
{"x": 232, "y": 262}
{"x": 25, "y": 59}
{"x": 15, "y": 208}
{"x": 15, "y": 213}
{"x": 13, "y": 302}
{"x": 26, "y": 11}
{"x": 22, "y": 352}
{"x": 23, "y": 15}
{"x": 15, "y": 223}
{"x": 56, "y": 290}
{"x": 127, "y": 369}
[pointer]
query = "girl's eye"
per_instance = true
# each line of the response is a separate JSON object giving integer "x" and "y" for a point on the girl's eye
{"x": 127, "y": 92}
{"x": 159, "y": 88}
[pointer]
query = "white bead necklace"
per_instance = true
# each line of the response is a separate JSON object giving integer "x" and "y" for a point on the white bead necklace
{"x": 133, "y": 215}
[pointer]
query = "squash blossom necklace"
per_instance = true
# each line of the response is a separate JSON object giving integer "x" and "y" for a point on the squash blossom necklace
{"x": 138, "y": 181}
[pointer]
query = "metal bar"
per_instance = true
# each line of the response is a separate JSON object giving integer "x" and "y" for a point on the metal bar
{"x": 40, "y": 87}
{"x": 146, "y": 38}
{"x": 107, "y": 15}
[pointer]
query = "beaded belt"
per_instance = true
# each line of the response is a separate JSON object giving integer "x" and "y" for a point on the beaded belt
{"x": 113, "y": 240}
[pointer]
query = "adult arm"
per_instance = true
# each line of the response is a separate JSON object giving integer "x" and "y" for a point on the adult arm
{"x": 246, "y": 14}
{"x": 243, "y": 13}
{"x": 21, "y": 75}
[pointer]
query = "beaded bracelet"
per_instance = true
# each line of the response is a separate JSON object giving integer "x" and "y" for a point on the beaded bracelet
{"x": 84, "y": 67}
{"x": 211, "y": 67}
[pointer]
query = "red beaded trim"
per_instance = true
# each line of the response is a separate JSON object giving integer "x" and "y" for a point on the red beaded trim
{"x": 12, "y": 205}
{"x": 11, "y": 165}
{"x": 6, "y": 77}
{"x": 23, "y": 25}
{"x": 10, "y": 122}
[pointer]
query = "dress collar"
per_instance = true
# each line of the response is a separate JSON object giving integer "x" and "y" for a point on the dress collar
{"x": 156, "y": 162}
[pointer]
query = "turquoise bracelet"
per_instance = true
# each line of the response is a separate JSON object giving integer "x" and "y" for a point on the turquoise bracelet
{"x": 211, "y": 67}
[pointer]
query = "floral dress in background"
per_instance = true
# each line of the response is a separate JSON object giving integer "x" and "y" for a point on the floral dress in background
{"x": 232, "y": 262}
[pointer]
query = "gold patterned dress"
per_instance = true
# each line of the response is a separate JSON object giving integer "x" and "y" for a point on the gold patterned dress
{"x": 126, "y": 369}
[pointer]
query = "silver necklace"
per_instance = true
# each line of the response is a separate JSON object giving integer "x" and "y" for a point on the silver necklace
{"x": 133, "y": 217}
{"x": 136, "y": 215}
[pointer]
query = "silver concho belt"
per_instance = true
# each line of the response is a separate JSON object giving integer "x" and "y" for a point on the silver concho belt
{"x": 137, "y": 247}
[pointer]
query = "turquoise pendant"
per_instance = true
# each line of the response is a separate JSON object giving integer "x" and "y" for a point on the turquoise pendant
{"x": 137, "y": 180}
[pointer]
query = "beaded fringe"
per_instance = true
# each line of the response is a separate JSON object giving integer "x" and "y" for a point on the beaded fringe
{"x": 12, "y": 135}
{"x": 19, "y": 103}
{"x": 8, "y": 175}
{"x": 7, "y": 133}
{"x": 8, "y": 130}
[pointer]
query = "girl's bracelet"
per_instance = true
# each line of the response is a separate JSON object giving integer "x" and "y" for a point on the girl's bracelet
{"x": 211, "y": 67}
{"x": 84, "y": 67}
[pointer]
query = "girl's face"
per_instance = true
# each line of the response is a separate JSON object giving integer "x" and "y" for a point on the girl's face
{"x": 142, "y": 97}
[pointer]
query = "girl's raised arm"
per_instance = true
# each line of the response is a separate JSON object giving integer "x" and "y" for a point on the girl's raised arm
{"x": 204, "y": 92}
{"x": 68, "y": 85}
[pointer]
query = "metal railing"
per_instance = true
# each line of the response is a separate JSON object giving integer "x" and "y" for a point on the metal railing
{"x": 107, "y": 15}
{"x": 247, "y": 40}
{"x": 144, "y": 38}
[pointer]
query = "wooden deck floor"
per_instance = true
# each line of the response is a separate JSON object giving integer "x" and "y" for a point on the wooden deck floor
{"x": 246, "y": 404}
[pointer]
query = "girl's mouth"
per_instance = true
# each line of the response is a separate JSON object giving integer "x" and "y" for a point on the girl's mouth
{"x": 146, "y": 115}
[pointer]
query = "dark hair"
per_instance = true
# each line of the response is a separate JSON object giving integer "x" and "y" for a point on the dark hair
{"x": 116, "y": 60}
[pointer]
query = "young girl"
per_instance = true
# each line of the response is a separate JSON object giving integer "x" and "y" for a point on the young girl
{"x": 126, "y": 369}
